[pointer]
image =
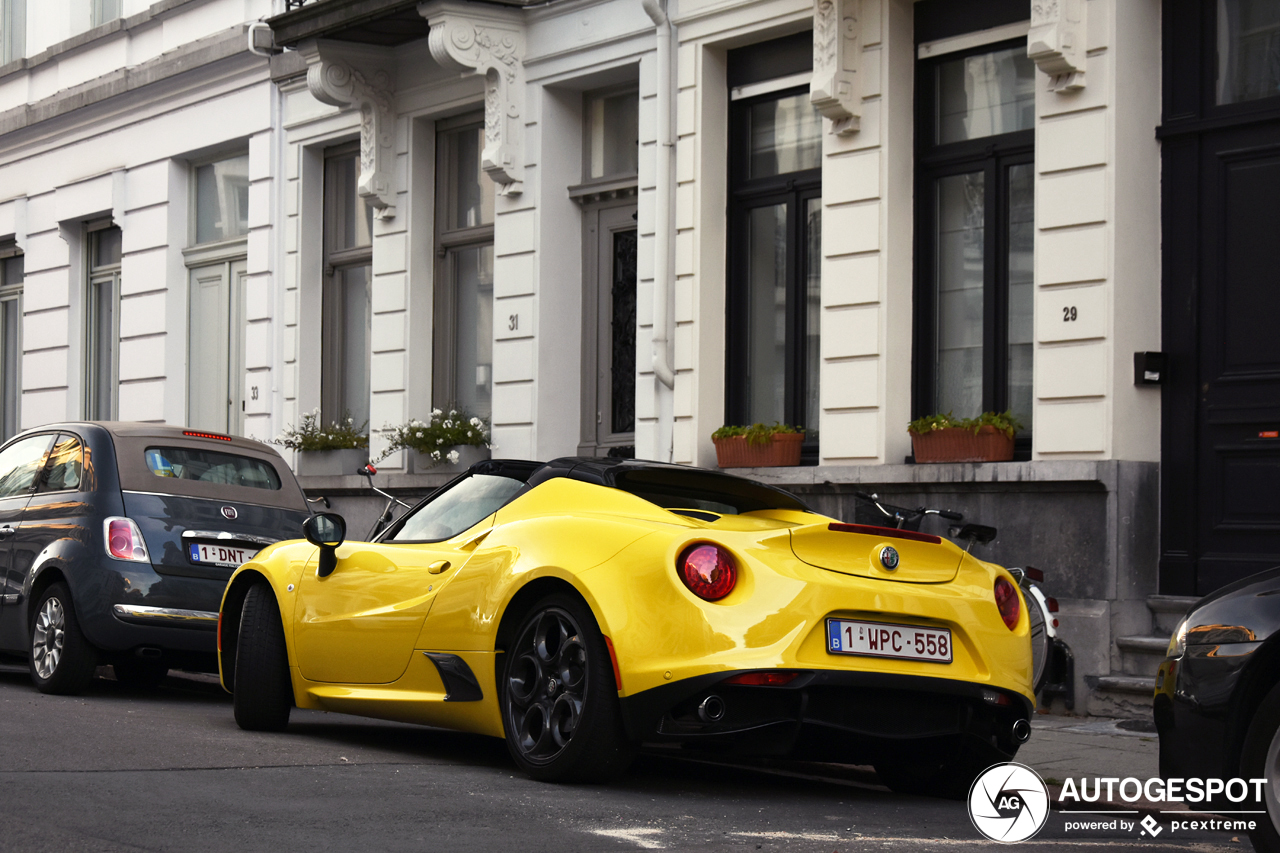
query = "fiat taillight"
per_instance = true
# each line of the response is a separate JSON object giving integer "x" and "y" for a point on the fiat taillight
{"x": 1008, "y": 603}
{"x": 708, "y": 570}
{"x": 124, "y": 540}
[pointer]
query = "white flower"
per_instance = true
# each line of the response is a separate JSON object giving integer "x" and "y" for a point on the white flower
{"x": 435, "y": 454}
{"x": 439, "y": 441}
{"x": 453, "y": 456}
{"x": 435, "y": 413}
{"x": 449, "y": 424}
{"x": 477, "y": 423}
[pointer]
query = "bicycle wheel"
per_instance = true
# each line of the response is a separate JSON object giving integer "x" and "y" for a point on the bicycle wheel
{"x": 1041, "y": 639}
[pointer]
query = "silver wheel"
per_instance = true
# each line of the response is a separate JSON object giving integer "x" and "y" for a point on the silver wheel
{"x": 48, "y": 638}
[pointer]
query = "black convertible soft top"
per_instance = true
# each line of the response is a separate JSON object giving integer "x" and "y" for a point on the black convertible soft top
{"x": 671, "y": 486}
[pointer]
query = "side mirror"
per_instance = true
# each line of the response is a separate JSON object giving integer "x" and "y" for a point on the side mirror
{"x": 326, "y": 530}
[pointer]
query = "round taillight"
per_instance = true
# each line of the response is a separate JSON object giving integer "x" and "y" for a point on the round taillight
{"x": 708, "y": 570}
{"x": 1008, "y": 603}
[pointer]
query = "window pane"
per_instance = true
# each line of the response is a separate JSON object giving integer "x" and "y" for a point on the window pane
{"x": 102, "y": 11}
{"x": 211, "y": 466}
{"x": 622, "y": 368}
{"x": 102, "y": 347}
{"x": 959, "y": 274}
{"x": 10, "y": 351}
{"x": 222, "y": 200}
{"x": 349, "y": 220}
{"x": 459, "y": 509}
{"x": 985, "y": 95}
{"x": 106, "y": 247}
{"x": 473, "y": 319}
{"x": 786, "y": 136}
{"x": 11, "y": 271}
{"x": 614, "y": 123}
{"x": 64, "y": 467}
{"x": 813, "y": 316}
{"x": 13, "y": 30}
{"x": 766, "y": 313}
{"x": 20, "y": 463}
{"x": 470, "y": 192}
{"x": 1248, "y": 50}
{"x": 1021, "y": 289}
{"x": 356, "y": 320}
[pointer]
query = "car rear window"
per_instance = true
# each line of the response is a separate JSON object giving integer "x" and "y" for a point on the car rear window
{"x": 211, "y": 466}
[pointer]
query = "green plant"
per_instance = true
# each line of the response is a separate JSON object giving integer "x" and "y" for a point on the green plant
{"x": 1005, "y": 422}
{"x": 757, "y": 433}
{"x": 311, "y": 434}
{"x": 435, "y": 436}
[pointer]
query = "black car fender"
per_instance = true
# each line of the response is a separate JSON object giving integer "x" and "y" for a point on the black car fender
{"x": 1261, "y": 674}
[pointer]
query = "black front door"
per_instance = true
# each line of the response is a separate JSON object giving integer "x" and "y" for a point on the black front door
{"x": 1220, "y": 153}
{"x": 1238, "y": 417}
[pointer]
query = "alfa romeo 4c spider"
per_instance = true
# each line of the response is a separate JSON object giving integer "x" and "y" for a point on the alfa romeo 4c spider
{"x": 581, "y": 608}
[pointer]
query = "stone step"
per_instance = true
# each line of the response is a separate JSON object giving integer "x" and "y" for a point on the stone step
{"x": 1150, "y": 645}
{"x": 1138, "y": 684}
{"x": 1167, "y": 610}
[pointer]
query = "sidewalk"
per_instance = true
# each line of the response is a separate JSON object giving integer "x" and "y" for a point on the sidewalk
{"x": 1079, "y": 747}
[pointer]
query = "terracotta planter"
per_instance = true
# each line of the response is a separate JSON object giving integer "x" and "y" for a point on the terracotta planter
{"x": 468, "y": 455}
{"x": 962, "y": 445}
{"x": 737, "y": 452}
{"x": 330, "y": 463}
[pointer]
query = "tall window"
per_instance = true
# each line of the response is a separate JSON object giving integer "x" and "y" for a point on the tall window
{"x": 1248, "y": 50}
{"x": 215, "y": 362}
{"x": 10, "y": 341}
{"x": 102, "y": 11}
{"x": 463, "y": 351}
{"x": 975, "y": 225}
{"x": 775, "y": 238}
{"x": 347, "y": 306}
{"x": 13, "y": 30}
{"x": 103, "y": 323}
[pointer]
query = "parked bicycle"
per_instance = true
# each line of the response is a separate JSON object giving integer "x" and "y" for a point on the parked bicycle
{"x": 1041, "y": 608}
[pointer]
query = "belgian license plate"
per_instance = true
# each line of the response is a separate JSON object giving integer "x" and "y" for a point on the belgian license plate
{"x": 882, "y": 640}
{"x": 220, "y": 555}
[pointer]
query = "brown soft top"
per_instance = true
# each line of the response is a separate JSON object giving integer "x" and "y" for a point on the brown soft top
{"x": 132, "y": 439}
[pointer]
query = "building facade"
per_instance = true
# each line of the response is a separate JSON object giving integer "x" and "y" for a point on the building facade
{"x": 612, "y": 226}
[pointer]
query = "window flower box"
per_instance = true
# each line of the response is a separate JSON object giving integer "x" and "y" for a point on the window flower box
{"x": 739, "y": 452}
{"x": 958, "y": 444}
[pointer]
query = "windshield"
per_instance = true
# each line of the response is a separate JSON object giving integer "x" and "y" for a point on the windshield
{"x": 463, "y": 506}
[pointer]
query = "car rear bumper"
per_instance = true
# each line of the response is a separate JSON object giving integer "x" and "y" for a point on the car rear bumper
{"x": 855, "y": 717}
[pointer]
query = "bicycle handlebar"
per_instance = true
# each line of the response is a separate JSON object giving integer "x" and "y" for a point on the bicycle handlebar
{"x": 901, "y": 514}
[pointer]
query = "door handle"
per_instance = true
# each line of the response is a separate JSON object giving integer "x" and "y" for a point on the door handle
{"x": 6, "y": 532}
{"x": 438, "y": 566}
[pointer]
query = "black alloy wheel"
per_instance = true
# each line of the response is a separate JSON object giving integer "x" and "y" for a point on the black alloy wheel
{"x": 559, "y": 700}
{"x": 62, "y": 661}
{"x": 263, "y": 694}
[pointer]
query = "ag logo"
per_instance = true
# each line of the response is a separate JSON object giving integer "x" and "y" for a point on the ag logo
{"x": 1008, "y": 803}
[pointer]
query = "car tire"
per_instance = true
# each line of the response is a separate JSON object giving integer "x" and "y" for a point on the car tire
{"x": 1260, "y": 759}
{"x": 559, "y": 698}
{"x": 139, "y": 674}
{"x": 62, "y": 661}
{"x": 931, "y": 775}
{"x": 263, "y": 695}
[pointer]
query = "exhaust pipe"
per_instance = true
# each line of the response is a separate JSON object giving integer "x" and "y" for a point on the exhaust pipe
{"x": 1021, "y": 731}
{"x": 711, "y": 709}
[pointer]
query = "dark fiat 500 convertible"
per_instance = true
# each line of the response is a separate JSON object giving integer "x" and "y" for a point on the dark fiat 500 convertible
{"x": 117, "y": 539}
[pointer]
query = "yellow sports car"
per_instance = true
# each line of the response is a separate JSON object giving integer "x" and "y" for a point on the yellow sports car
{"x": 583, "y": 607}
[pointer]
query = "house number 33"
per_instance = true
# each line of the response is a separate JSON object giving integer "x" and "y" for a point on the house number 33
{"x": 1068, "y": 313}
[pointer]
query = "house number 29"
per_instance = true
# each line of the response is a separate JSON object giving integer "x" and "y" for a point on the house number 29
{"x": 513, "y": 322}
{"x": 1068, "y": 313}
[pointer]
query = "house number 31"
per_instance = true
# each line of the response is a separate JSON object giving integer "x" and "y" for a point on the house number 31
{"x": 1068, "y": 313}
{"x": 513, "y": 322}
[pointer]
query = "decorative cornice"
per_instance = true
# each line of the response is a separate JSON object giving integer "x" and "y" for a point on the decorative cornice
{"x": 349, "y": 76}
{"x": 487, "y": 41}
{"x": 836, "y": 88}
{"x": 1056, "y": 42}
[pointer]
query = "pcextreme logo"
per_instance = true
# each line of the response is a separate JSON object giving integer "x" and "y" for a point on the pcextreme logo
{"x": 1008, "y": 803}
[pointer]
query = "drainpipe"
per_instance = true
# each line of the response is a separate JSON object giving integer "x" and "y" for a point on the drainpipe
{"x": 662, "y": 227}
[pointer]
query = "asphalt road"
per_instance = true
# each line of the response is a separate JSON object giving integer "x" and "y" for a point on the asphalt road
{"x": 124, "y": 770}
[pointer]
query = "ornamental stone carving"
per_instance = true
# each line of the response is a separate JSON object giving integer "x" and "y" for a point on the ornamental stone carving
{"x": 351, "y": 76}
{"x": 487, "y": 41}
{"x": 836, "y": 88}
{"x": 1056, "y": 42}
